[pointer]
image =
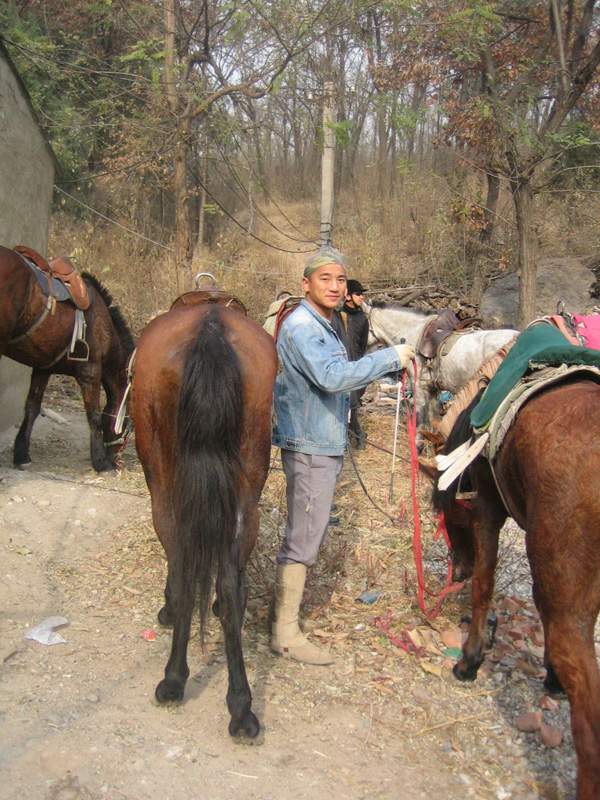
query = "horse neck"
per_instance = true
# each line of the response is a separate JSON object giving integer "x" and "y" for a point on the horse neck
{"x": 390, "y": 325}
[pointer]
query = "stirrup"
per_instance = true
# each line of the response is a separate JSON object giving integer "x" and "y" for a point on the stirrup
{"x": 86, "y": 357}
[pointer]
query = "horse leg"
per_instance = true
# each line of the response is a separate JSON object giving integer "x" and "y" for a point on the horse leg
{"x": 112, "y": 390}
{"x": 89, "y": 383}
{"x": 567, "y": 595}
{"x": 551, "y": 682}
{"x": 37, "y": 387}
{"x": 573, "y": 657}
{"x": 232, "y": 601}
{"x": 164, "y": 525}
{"x": 166, "y": 615}
{"x": 488, "y": 520}
{"x": 171, "y": 688}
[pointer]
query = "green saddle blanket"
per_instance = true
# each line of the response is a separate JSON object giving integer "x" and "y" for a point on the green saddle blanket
{"x": 541, "y": 344}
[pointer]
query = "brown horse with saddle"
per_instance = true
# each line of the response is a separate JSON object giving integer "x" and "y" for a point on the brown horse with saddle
{"x": 201, "y": 405}
{"x": 59, "y": 322}
{"x": 540, "y": 464}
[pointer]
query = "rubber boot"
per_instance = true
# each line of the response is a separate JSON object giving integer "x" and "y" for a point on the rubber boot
{"x": 287, "y": 639}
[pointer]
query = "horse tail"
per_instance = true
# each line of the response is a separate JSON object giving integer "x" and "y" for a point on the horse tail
{"x": 208, "y": 468}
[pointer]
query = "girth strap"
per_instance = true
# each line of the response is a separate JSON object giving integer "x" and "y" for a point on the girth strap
{"x": 50, "y": 303}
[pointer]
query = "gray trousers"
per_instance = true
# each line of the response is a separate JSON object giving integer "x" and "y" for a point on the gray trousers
{"x": 311, "y": 481}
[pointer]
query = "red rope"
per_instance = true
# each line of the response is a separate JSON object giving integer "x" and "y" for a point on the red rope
{"x": 449, "y": 587}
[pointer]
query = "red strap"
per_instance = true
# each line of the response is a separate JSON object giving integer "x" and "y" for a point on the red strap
{"x": 449, "y": 587}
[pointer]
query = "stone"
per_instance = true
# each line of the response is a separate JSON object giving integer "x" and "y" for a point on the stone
{"x": 566, "y": 279}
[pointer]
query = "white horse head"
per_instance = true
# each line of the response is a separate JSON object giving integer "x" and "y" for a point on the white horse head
{"x": 389, "y": 323}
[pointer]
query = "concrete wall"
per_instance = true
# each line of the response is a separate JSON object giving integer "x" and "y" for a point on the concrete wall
{"x": 26, "y": 179}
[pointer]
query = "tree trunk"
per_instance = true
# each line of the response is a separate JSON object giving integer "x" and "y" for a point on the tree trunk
{"x": 481, "y": 255}
{"x": 183, "y": 221}
{"x": 527, "y": 247}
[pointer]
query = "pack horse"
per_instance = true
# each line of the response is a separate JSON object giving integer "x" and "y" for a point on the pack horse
{"x": 201, "y": 403}
{"x": 39, "y": 320}
{"x": 547, "y": 472}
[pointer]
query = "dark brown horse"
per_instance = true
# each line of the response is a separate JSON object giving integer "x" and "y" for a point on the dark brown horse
{"x": 548, "y": 470}
{"x": 202, "y": 394}
{"x": 41, "y": 340}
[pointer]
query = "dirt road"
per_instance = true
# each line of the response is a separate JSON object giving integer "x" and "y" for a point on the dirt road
{"x": 78, "y": 720}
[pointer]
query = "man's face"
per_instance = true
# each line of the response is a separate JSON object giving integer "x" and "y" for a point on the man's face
{"x": 355, "y": 299}
{"x": 326, "y": 287}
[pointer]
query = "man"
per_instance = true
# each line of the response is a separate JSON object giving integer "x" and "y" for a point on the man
{"x": 356, "y": 326}
{"x": 311, "y": 413}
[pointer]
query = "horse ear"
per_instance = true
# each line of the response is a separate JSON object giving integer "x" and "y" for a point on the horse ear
{"x": 428, "y": 468}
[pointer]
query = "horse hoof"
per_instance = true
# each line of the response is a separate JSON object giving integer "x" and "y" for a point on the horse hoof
{"x": 247, "y": 726}
{"x": 23, "y": 466}
{"x": 464, "y": 671}
{"x": 106, "y": 467}
{"x": 215, "y": 609}
{"x": 169, "y": 691}
{"x": 166, "y": 617}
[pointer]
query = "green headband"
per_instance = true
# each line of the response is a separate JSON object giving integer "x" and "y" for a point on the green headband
{"x": 321, "y": 259}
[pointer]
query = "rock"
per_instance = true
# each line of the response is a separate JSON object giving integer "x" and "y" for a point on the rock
{"x": 550, "y": 736}
{"x": 529, "y": 722}
{"x": 557, "y": 279}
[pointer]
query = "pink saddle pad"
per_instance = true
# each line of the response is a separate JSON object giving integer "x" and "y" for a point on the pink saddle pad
{"x": 589, "y": 329}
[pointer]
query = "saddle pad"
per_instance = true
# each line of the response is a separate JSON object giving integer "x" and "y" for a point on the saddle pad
{"x": 542, "y": 344}
{"x": 533, "y": 383}
{"x": 59, "y": 290}
{"x": 589, "y": 329}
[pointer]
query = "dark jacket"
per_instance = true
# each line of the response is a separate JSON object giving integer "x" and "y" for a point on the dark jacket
{"x": 356, "y": 326}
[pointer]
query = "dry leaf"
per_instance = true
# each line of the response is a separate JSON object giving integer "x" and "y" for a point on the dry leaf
{"x": 432, "y": 669}
{"x": 452, "y": 637}
{"x": 417, "y": 638}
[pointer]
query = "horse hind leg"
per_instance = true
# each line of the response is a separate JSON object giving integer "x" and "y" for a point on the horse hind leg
{"x": 232, "y": 599}
{"x": 33, "y": 404}
{"x": 172, "y": 687}
{"x": 166, "y": 615}
{"x": 572, "y": 654}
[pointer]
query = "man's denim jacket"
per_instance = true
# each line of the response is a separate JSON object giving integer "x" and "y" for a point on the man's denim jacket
{"x": 313, "y": 382}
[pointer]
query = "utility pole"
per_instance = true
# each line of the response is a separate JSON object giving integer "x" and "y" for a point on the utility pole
{"x": 327, "y": 164}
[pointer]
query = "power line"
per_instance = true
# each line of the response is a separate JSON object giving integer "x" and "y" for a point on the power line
{"x": 217, "y": 263}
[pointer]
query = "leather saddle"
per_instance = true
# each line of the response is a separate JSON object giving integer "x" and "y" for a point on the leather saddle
{"x": 215, "y": 296}
{"x": 60, "y": 269}
{"x": 439, "y": 329}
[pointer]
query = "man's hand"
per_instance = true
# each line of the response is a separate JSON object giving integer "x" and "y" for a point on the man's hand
{"x": 405, "y": 353}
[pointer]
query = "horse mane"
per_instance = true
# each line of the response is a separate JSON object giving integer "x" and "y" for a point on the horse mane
{"x": 459, "y": 434}
{"x": 115, "y": 312}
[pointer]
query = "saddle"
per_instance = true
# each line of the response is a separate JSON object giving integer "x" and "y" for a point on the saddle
{"x": 285, "y": 309}
{"x": 439, "y": 329}
{"x": 215, "y": 296}
{"x": 63, "y": 270}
